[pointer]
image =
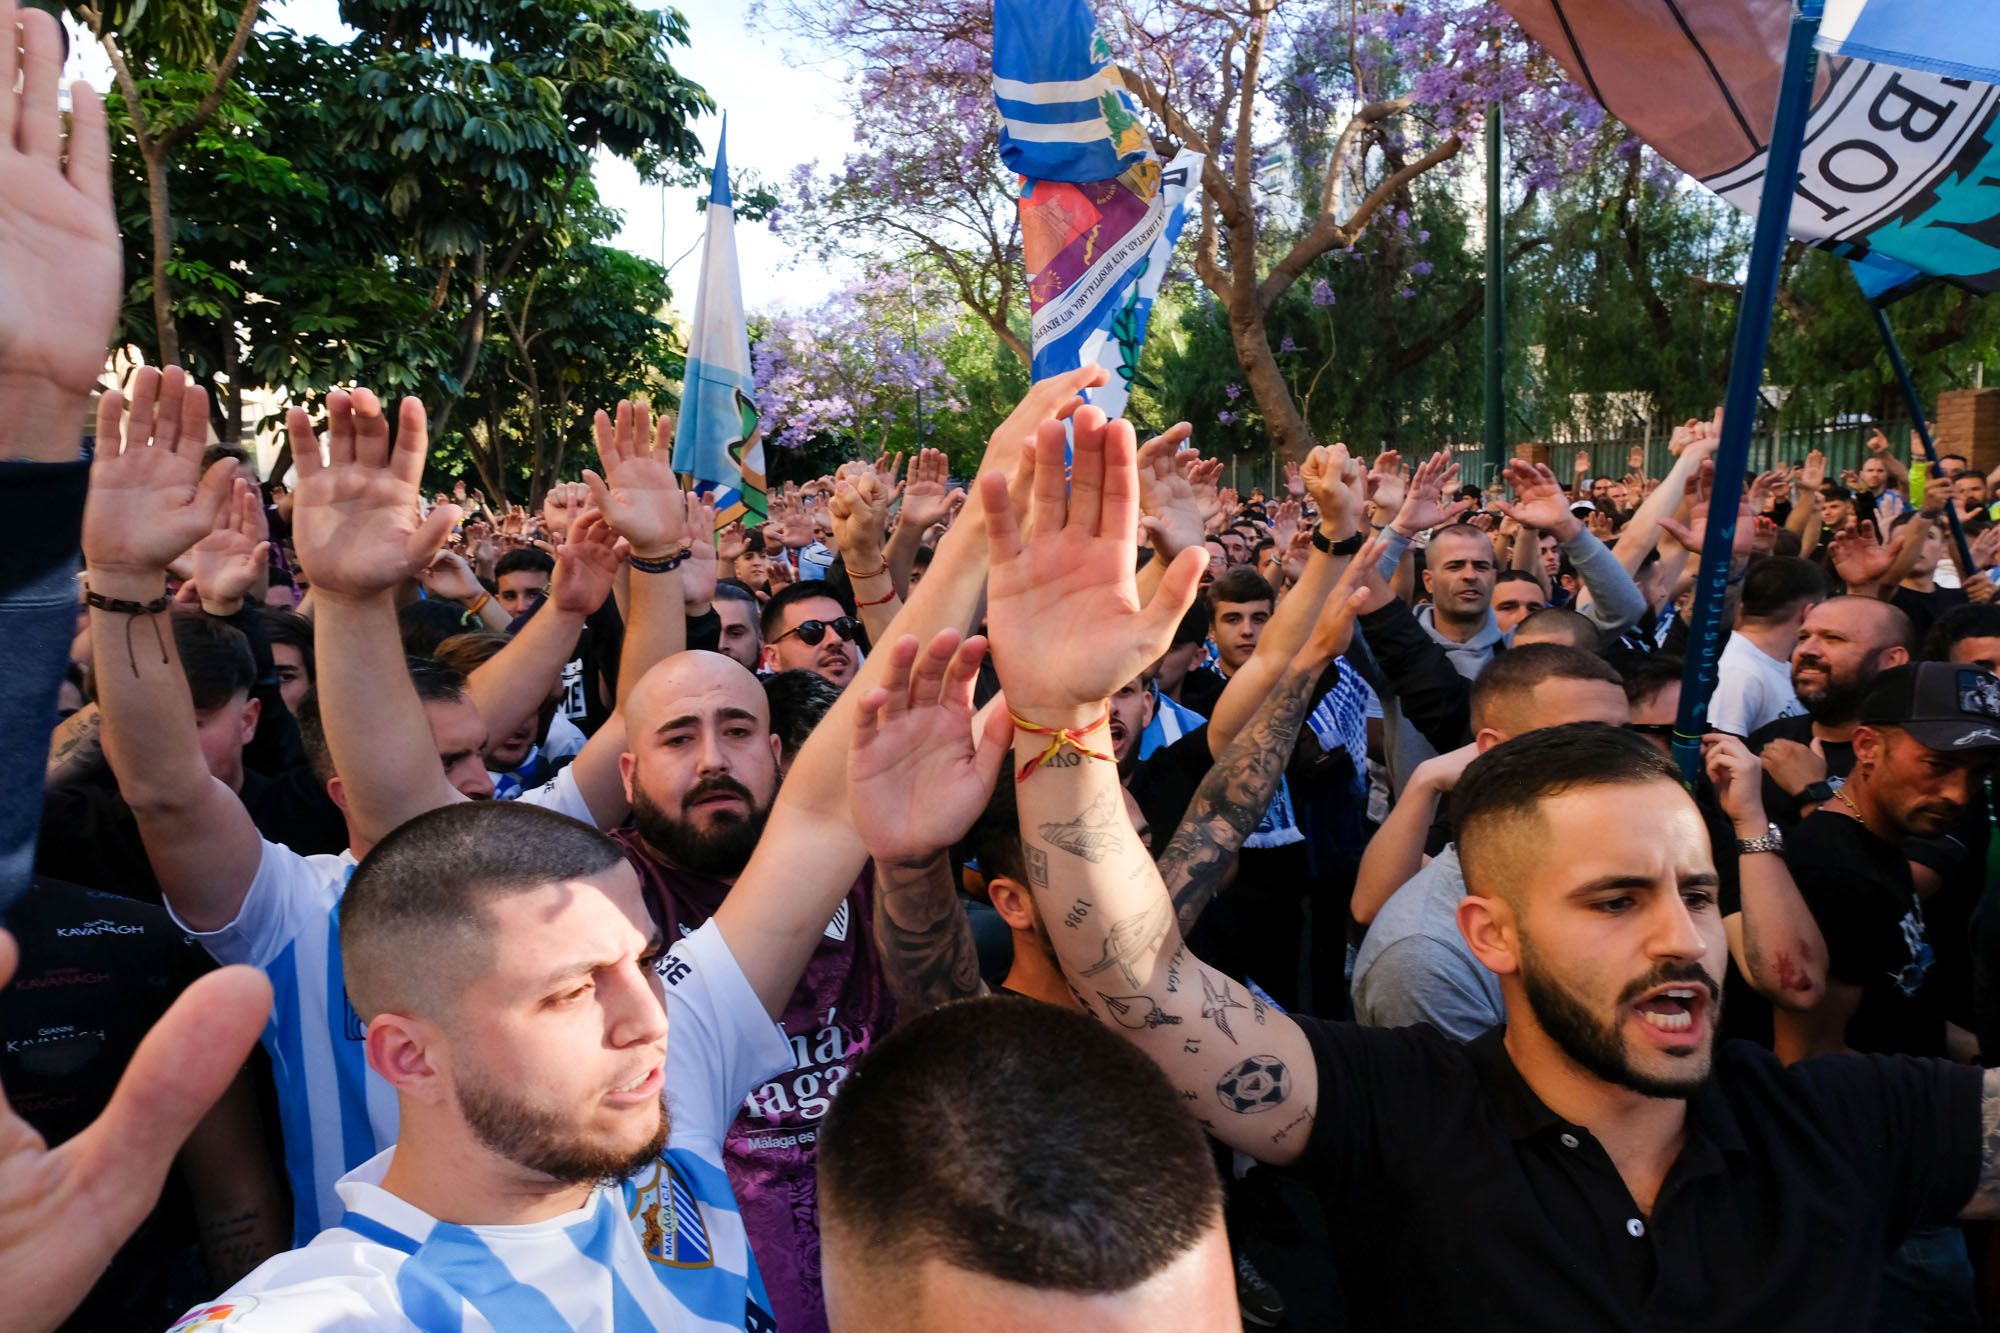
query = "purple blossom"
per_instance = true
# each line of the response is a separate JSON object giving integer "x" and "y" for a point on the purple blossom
{"x": 1226, "y": 418}
{"x": 1322, "y": 292}
{"x": 1423, "y": 268}
{"x": 1232, "y": 391}
{"x": 1287, "y": 345}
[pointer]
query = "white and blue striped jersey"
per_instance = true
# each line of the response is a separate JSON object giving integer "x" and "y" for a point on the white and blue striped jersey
{"x": 662, "y": 1250}
{"x": 333, "y": 1110}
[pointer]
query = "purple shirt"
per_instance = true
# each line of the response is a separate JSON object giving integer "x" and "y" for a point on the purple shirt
{"x": 840, "y": 1007}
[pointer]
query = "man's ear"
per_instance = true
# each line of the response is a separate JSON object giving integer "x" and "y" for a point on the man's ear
{"x": 337, "y": 793}
{"x": 1489, "y": 928}
{"x": 404, "y": 1051}
{"x": 252, "y": 710}
{"x": 626, "y": 765}
{"x": 767, "y": 658}
{"x": 1427, "y": 583}
{"x": 1011, "y": 899}
{"x": 1895, "y": 657}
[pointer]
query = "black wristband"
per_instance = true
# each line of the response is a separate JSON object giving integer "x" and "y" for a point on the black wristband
{"x": 664, "y": 565}
{"x": 1345, "y": 546}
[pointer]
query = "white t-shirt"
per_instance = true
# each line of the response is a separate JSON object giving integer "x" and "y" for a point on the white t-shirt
{"x": 1752, "y": 689}
{"x": 662, "y": 1250}
{"x": 333, "y": 1110}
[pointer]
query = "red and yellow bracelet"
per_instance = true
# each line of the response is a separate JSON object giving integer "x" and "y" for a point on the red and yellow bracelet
{"x": 1059, "y": 737}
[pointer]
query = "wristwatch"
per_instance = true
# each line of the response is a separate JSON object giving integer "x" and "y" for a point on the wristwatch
{"x": 1819, "y": 793}
{"x": 1772, "y": 841}
{"x": 1345, "y": 546}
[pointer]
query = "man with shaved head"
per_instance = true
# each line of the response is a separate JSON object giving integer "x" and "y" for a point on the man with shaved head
{"x": 1844, "y": 644}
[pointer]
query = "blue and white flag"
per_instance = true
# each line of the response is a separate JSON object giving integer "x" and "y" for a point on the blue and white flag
{"x": 1901, "y": 162}
{"x": 1100, "y": 213}
{"x": 718, "y": 445}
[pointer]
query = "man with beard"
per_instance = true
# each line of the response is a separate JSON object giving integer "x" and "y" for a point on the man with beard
{"x": 1844, "y": 644}
{"x": 1614, "y": 1168}
{"x": 702, "y": 772}
{"x": 516, "y": 995}
{"x": 806, "y": 627}
{"x": 1926, "y": 737}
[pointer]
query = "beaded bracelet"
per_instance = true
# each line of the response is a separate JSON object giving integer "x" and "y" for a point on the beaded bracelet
{"x": 664, "y": 565}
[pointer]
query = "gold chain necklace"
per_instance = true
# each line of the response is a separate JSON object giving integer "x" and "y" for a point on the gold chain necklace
{"x": 1840, "y": 794}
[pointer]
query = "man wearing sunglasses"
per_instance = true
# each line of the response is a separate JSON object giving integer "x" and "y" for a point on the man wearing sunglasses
{"x": 806, "y": 627}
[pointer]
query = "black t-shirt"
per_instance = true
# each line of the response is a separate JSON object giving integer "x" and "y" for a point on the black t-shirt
{"x": 1924, "y": 608}
{"x": 1458, "y": 1200}
{"x": 1200, "y": 690}
{"x": 96, "y": 973}
{"x": 1860, "y": 892}
{"x": 1780, "y": 805}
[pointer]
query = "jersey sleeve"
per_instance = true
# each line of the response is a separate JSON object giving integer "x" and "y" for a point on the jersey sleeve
{"x": 561, "y": 794}
{"x": 322, "y": 1306}
{"x": 721, "y": 1044}
{"x": 288, "y": 891}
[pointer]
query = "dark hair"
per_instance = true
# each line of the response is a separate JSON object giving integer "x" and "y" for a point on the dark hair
{"x": 1194, "y": 625}
{"x": 923, "y": 556}
{"x": 1512, "y": 779}
{"x": 1579, "y": 630}
{"x": 1516, "y": 576}
{"x": 1021, "y": 1140}
{"x": 1960, "y": 457}
{"x": 411, "y": 921}
{"x": 286, "y": 626}
{"x": 1238, "y": 586}
{"x": 1784, "y": 542}
{"x": 1971, "y": 621}
{"x": 798, "y": 700}
{"x": 733, "y": 590}
{"x": 427, "y": 623}
{"x": 215, "y": 453}
{"x": 995, "y": 840}
{"x": 433, "y": 681}
{"x": 525, "y": 557}
{"x": 215, "y": 658}
{"x": 804, "y": 589}
{"x": 1519, "y": 670}
{"x": 1774, "y": 586}
{"x": 1646, "y": 675}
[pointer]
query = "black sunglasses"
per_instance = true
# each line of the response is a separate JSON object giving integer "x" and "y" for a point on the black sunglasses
{"x": 810, "y": 632}
{"x": 1651, "y": 728}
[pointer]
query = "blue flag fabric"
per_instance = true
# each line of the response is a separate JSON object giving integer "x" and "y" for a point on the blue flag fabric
{"x": 718, "y": 444}
{"x": 1100, "y": 213}
{"x": 1901, "y": 163}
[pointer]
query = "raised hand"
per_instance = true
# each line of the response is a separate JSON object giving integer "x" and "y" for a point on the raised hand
{"x": 1388, "y": 482}
{"x": 1063, "y": 607}
{"x": 1582, "y": 463}
{"x": 1170, "y": 511}
{"x": 1539, "y": 501}
{"x": 927, "y": 492}
{"x": 638, "y": 495}
{"x": 355, "y": 522}
{"x": 149, "y": 500}
{"x": 561, "y": 505}
{"x": 1338, "y": 486}
{"x": 698, "y": 575}
{"x": 1859, "y": 557}
{"x": 1203, "y": 476}
{"x": 887, "y": 465}
{"x": 1295, "y": 482}
{"x": 1878, "y": 443}
{"x": 1813, "y": 475}
{"x": 586, "y": 563}
{"x": 1285, "y": 519}
{"x": 732, "y": 544}
{"x": 1699, "y": 490}
{"x": 917, "y": 775}
{"x": 1986, "y": 548}
{"x": 860, "y": 512}
{"x": 1425, "y": 506}
{"x": 1053, "y": 399}
{"x": 230, "y": 560}
{"x": 1738, "y": 778}
{"x": 61, "y": 281}
{"x": 448, "y": 576}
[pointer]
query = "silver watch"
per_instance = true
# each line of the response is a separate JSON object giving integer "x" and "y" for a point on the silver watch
{"x": 1772, "y": 841}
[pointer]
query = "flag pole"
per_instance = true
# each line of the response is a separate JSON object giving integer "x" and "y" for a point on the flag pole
{"x": 1966, "y": 566}
{"x": 1496, "y": 303}
{"x": 1746, "y": 371}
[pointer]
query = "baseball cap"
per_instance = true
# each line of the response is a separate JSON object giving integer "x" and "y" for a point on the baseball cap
{"x": 1582, "y": 508}
{"x": 1944, "y": 705}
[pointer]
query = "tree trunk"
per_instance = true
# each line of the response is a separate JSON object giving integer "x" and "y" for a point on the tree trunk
{"x": 1291, "y": 438}
{"x": 158, "y": 206}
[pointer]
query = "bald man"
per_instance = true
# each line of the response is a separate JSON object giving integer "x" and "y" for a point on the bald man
{"x": 702, "y": 773}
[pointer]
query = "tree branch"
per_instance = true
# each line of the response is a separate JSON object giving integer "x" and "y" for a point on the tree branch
{"x": 207, "y": 107}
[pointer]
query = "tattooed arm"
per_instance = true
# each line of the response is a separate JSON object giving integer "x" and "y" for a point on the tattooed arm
{"x": 75, "y": 751}
{"x": 1068, "y": 629}
{"x": 924, "y": 936}
{"x": 1232, "y": 798}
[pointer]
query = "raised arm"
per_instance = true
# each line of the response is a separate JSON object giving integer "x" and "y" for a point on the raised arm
{"x": 1614, "y": 600}
{"x": 809, "y": 855}
{"x": 356, "y": 527}
{"x": 1336, "y": 481}
{"x": 927, "y": 501}
{"x": 1396, "y": 852}
{"x": 149, "y": 502}
{"x": 1693, "y": 444}
{"x": 920, "y": 770}
{"x": 1231, "y": 799}
{"x": 860, "y": 512}
{"x": 1068, "y": 629}
{"x": 641, "y": 499}
{"x": 1776, "y": 941}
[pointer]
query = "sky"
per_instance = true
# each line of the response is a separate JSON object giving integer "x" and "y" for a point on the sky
{"x": 784, "y": 107}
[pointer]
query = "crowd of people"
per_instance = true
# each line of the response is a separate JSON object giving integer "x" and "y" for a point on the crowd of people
{"x": 1078, "y": 896}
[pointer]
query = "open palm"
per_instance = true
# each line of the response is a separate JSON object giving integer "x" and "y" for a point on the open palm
{"x": 61, "y": 282}
{"x": 915, "y": 780}
{"x": 1063, "y": 607}
{"x": 638, "y": 493}
{"x": 149, "y": 501}
{"x": 1539, "y": 500}
{"x": 355, "y": 519}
